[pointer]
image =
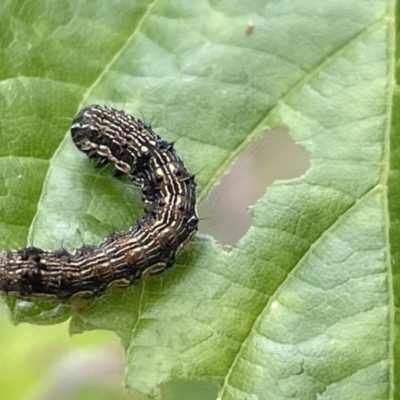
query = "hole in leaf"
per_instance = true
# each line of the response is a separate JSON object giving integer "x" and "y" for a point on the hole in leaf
{"x": 273, "y": 156}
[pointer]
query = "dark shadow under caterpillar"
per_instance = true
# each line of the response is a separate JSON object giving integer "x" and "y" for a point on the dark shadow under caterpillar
{"x": 149, "y": 246}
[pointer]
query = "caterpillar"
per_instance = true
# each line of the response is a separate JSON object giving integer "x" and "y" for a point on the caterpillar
{"x": 149, "y": 246}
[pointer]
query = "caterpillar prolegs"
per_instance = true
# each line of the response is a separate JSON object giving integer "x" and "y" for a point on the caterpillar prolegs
{"x": 149, "y": 246}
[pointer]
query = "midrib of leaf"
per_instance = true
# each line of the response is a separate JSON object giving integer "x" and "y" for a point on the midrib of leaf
{"x": 85, "y": 97}
{"x": 384, "y": 182}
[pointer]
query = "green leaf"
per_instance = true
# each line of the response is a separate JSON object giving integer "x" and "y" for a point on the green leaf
{"x": 304, "y": 305}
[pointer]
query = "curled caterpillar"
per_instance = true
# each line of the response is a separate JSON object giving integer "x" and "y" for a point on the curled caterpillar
{"x": 148, "y": 247}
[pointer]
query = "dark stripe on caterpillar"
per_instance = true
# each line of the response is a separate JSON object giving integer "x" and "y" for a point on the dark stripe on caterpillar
{"x": 148, "y": 247}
